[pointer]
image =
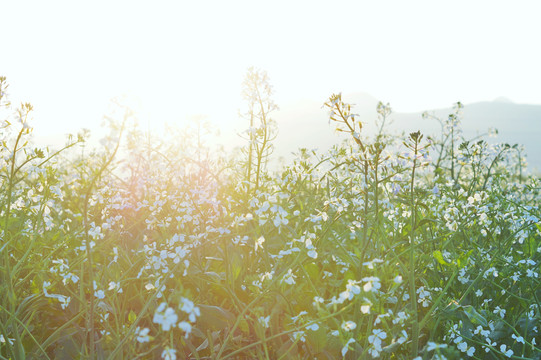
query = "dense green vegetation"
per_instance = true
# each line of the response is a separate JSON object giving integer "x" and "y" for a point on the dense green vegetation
{"x": 395, "y": 247}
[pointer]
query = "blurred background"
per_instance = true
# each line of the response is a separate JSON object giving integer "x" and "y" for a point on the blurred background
{"x": 173, "y": 61}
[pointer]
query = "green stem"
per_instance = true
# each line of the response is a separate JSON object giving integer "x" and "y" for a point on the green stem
{"x": 12, "y": 297}
{"x": 413, "y": 294}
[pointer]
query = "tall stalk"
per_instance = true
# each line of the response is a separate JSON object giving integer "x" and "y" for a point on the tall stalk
{"x": 414, "y": 146}
{"x": 250, "y": 152}
{"x": 257, "y": 91}
{"x": 451, "y": 120}
{"x": 12, "y": 296}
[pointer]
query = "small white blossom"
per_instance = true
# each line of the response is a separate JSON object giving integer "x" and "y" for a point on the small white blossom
{"x": 259, "y": 243}
{"x": 372, "y": 284}
{"x": 346, "y": 347}
{"x": 264, "y": 321}
{"x": 289, "y": 278}
{"x": 499, "y": 311}
{"x": 186, "y": 327}
{"x": 165, "y": 317}
{"x": 189, "y": 308}
{"x": 348, "y": 325}
{"x": 3, "y": 340}
{"x": 142, "y": 335}
{"x": 508, "y": 353}
{"x": 518, "y": 339}
{"x": 169, "y": 354}
{"x": 299, "y": 335}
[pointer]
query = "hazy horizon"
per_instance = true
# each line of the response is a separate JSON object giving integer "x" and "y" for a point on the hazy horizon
{"x": 177, "y": 59}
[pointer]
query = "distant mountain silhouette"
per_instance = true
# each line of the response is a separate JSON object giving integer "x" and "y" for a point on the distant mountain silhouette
{"x": 503, "y": 99}
{"x": 306, "y": 124}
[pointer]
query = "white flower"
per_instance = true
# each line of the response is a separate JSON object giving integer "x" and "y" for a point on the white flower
{"x": 259, "y": 243}
{"x": 353, "y": 288}
{"x": 279, "y": 220}
{"x": 401, "y": 317}
{"x": 299, "y": 335}
{"x": 289, "y": 278}
{"x": 424, "y": 296}
{"x": 508, "y": 353}
{"x": 463, "y": 346}
{"x": 64, "y": 300}
{"x": 318, "y": 300}
{"x": 372, "y": 284}
{"x": 165, "y": 317}
{"x": 499, "y": 311}
{"x": 312, "y": 253}
{"x": 115, "y": 286}
{"x": 186, "y": 327}
{"x": 348, "y": 325}
{"x": 346, "y": 347}
{"x": 267, "y": 275}
{"x": 3, "y": 340}
{"x": 376, "y": 337}
{"x": 403, "y": 338}
{"x": 312, "y": 327}
{"x": 519, "y": 339}
{"x": 169, "y": 354}
{"x": 149, "y": 286}
{"x": 142, "y": 335}
{"x": 296, "y": 318}
{"x": 178, "y": 255}
{"x": 264, "y": 321}
{"x": 189, "y": 308}
{"x": 370, "y": 264}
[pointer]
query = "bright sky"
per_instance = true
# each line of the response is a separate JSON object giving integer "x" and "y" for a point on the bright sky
{"x": 180, "y": 58}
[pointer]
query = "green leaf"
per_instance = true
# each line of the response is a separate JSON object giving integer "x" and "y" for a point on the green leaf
{"x": 317, "y": 339}
{"x": 312, "y": 270}
{"x": 475, "y": 317}
{"x": 213, "y": 258}
{"x": 244, "y": 327}
{"x": 236, "y": 265}
{"x": 348, "y": 275}
{"x": 214, "y": 318}
{"x": 215, "y": 276}
{"x": 439, "y": 257}
{"x": 132, "y": 317}
{"x": 463, "y": 259}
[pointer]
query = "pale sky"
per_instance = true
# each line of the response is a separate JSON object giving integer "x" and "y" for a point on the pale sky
{"x": 181, "y": 58}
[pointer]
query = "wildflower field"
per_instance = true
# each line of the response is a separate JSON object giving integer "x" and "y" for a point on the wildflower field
{"x": 413, "y": 246}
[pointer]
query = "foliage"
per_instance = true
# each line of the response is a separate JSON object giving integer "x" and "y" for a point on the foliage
{"x": 149, "y": 249}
